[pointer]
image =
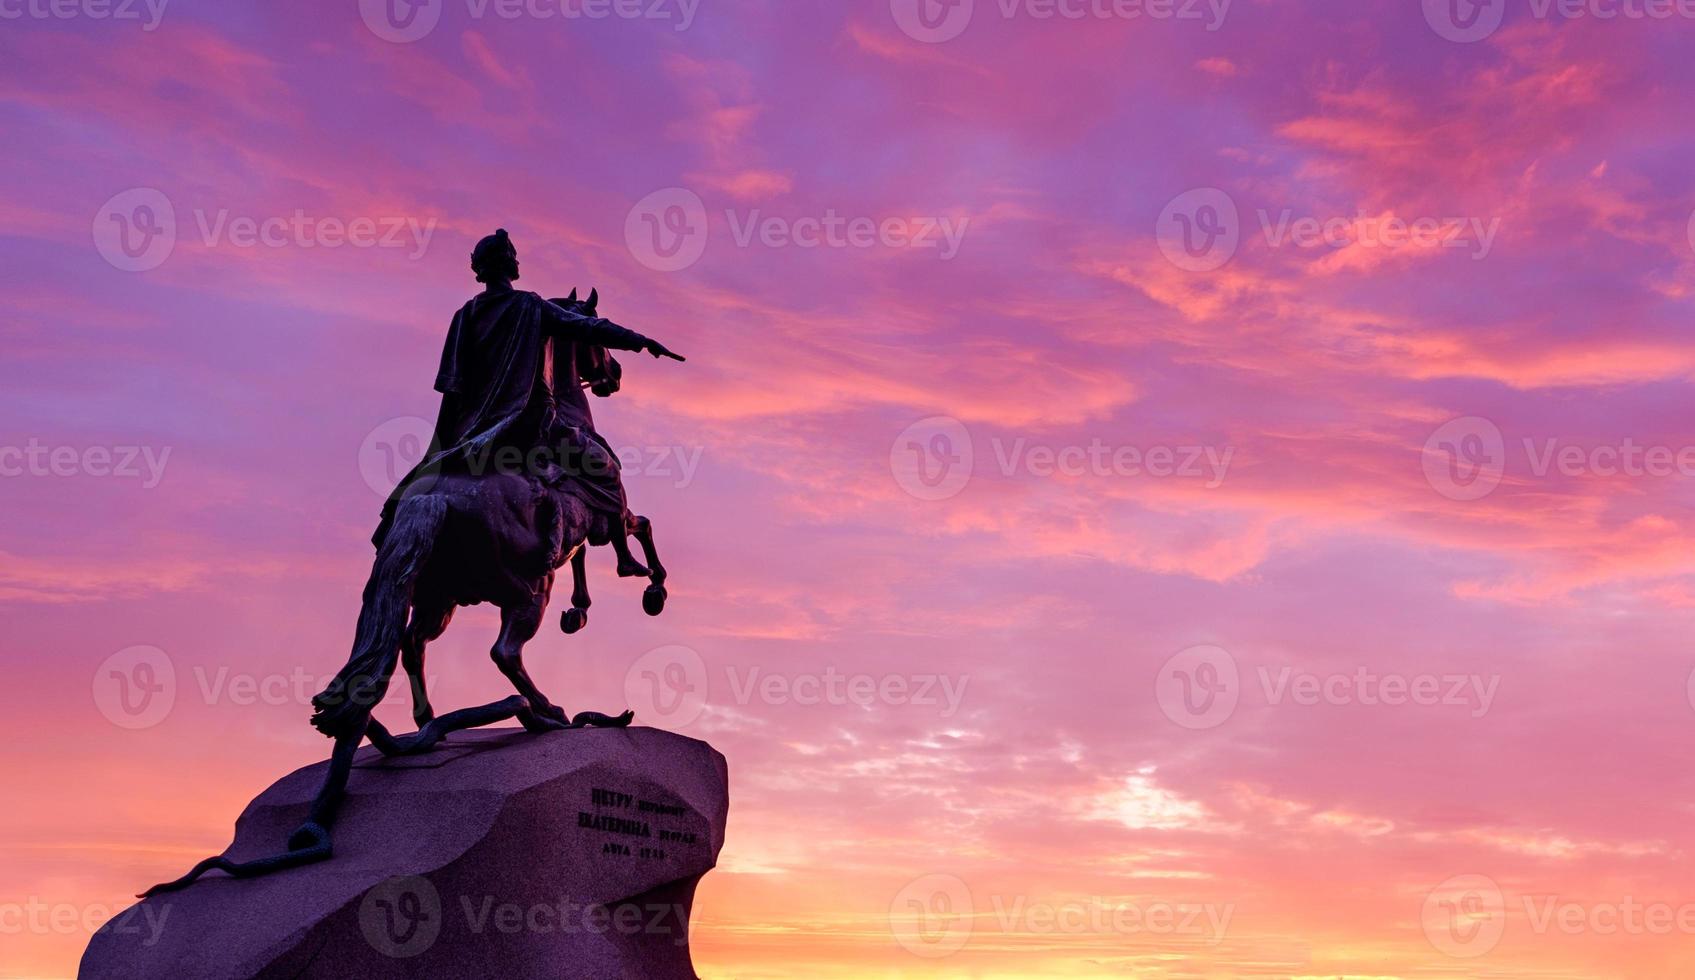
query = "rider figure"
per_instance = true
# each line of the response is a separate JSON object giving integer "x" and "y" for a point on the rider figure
{"x": 498, "y": 398}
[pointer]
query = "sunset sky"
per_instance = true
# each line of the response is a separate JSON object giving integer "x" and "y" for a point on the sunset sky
{"x": 1185, "y": 490}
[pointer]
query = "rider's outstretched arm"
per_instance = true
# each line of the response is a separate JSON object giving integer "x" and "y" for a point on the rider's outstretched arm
{"x": 561, "y": 322}
{"x": 590, "y": 329}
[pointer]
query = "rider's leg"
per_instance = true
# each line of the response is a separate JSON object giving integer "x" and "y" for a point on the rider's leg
{"x": 518, "y": 626}
{"x": 606, "y": 476}
{"x": 576, "y": 617}
{"x": 429, "y": 621}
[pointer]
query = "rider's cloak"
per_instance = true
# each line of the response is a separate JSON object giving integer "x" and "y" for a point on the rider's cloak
{"x": 496, "y": 382}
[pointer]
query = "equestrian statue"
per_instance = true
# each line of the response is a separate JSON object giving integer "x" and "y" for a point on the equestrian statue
{"x": 516, "y": 484}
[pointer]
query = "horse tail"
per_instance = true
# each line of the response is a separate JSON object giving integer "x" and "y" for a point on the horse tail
{"x": 343, "y": 705}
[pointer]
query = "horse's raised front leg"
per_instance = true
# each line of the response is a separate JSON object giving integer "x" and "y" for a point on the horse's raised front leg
{"x": 429, "y": 622}
{"x": 518, "y": 625}
{"x": 576, "y": 617}
{"x": 653, "y": 600}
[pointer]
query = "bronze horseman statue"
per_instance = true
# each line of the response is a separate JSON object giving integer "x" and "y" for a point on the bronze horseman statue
{"x": 517, "y": 483}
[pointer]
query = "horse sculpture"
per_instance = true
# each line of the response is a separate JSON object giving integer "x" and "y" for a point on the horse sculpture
{"x": 460, "y": 539}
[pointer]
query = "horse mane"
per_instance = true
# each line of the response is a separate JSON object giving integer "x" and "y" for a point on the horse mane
{"x": 597, "y": 369}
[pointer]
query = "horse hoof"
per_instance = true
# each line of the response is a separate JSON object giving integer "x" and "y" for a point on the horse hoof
{"x": 573, "y": 619}
{"x": 653, "y": 599}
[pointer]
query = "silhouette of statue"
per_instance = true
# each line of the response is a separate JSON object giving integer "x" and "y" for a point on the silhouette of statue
{"x": 517, "y": 482}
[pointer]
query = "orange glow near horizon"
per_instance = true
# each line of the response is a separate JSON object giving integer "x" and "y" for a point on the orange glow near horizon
{"x": 1105, "y": 539}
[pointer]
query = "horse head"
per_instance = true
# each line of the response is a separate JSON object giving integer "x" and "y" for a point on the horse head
{"x": 597, "y": 369}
